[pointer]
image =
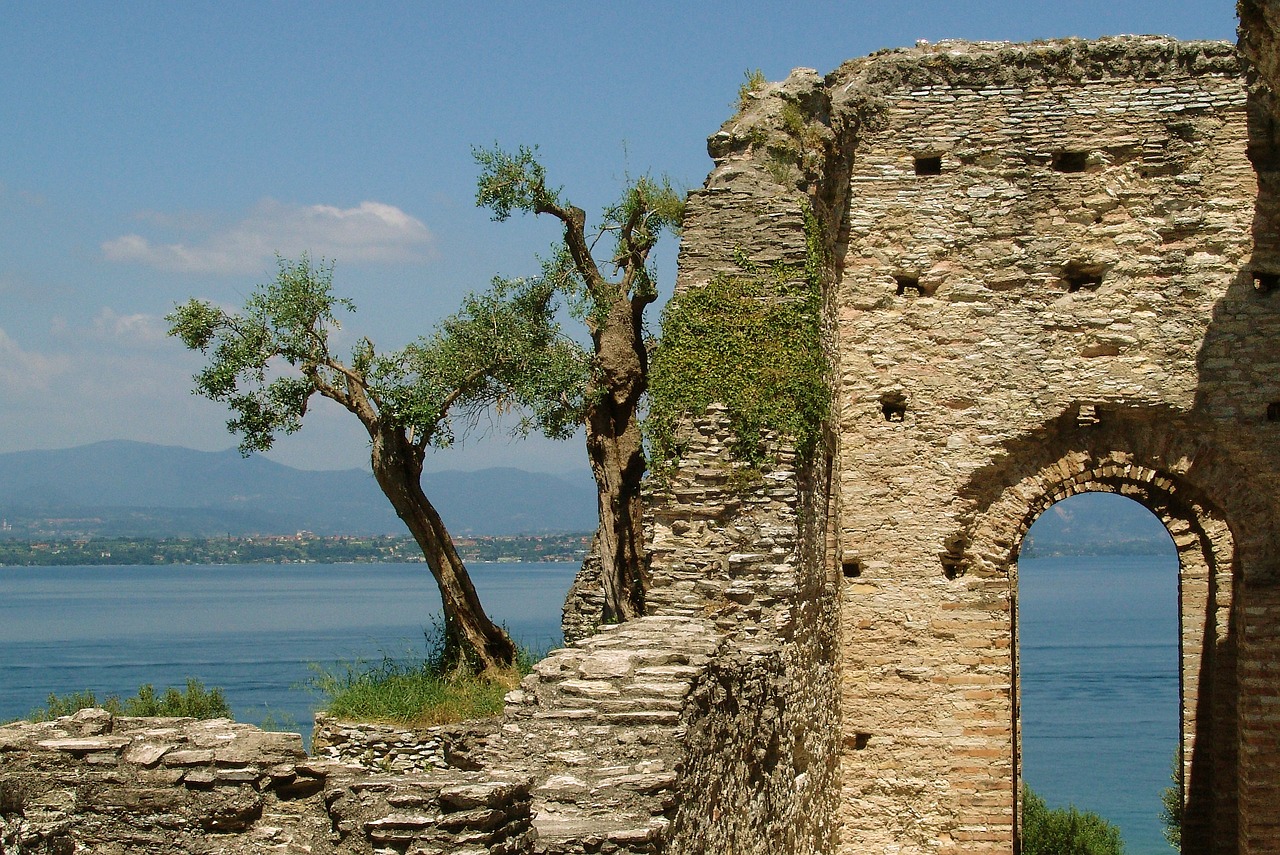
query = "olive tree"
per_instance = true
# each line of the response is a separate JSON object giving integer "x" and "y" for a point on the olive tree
{"x": 610, "y": 293}
{"x": 502, "y": 350}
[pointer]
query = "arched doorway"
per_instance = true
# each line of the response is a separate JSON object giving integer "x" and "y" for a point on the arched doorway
{"x": 1206, "y": 662}
{"x": 1097, "y": 662}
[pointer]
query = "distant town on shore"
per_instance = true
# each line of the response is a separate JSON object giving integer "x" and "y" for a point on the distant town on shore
{"x": 300, "y": 548}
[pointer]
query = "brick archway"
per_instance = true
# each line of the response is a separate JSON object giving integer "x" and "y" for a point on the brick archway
{"x": 1206, "y": 561}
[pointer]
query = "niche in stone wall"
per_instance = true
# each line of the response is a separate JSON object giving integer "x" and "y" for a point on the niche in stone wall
{"x": 1070, "y": 161}
{"x": 894, "y": 406}
{"x": 1264, "y": 282}
{"x": 1083, "y": 276}
{"x": 928, "y": 164}
{"x": 952, "y": 556}
{"x": 851, "y": 566}
{"x": 908, "y": 285}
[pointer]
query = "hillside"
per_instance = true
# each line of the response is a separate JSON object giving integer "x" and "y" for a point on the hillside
{"x": 121, "y": 488}
{"x": 1096, "y": 524}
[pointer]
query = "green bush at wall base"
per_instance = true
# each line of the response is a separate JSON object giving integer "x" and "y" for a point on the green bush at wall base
{"x": 1065, "y": 831}
{"x": 195, "y": 701}
{"x": 1171, "y": 805}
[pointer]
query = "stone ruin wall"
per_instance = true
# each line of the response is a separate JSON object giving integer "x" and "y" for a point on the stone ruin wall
{"x": 689, "y": 731}
{"x": 1040, "y": 240}
{"x": 1050, "y": 285}
{"x": 1054, "y": 273}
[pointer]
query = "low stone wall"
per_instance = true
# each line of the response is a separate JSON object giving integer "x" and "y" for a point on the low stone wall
{"x": 377, "y": 747}
{"x": 86, "y": 781}
{"x": 93, "y": 782}
{"x": 445, "y": 812}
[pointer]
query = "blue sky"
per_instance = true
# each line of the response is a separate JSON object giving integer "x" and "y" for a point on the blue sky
{"x": 157, "y": 151}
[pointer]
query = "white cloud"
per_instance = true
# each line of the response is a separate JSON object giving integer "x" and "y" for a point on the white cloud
{"x": 25, "y": 370}
{"x": 371, "y": 231}
{"x": 136, "y": 329}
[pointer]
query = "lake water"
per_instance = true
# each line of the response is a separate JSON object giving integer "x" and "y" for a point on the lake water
{"x": 1099, "y": 644}
{"x": 252, "y": 630}
{"x": 1098, "y": 638}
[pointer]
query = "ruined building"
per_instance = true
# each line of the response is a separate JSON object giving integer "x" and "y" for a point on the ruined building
{"x": 1032, "y": 271}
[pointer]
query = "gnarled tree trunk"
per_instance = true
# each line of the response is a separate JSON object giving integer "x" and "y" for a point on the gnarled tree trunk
{"x": 470, "y": 636}
{"x": 615, "y": 448}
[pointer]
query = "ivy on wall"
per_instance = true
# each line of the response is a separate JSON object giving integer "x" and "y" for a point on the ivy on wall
{"x": 752, "y": 341}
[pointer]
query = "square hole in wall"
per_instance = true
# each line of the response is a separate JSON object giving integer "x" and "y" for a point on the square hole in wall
{"x": 1070, "y": 161}
{"x": 1079, "y": 276}
{"x": 851, "y": 567}
{"x": 908, "y": 285}
{"x": 1273, "y": 411}
{"x": 1264, "y": 282}
{"x": 894, "y": 406}
{"x": 929, "y": 164}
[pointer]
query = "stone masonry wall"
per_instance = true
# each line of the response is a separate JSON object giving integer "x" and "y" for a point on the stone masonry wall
{"x": 1260, "y": 668}
{"x": 1046, "y": 271}
{"x": 95, "y": 783}
{"x": 760, "y": 738}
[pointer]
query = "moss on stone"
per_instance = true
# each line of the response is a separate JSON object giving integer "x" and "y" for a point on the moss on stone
{"x": 752, "y": 341}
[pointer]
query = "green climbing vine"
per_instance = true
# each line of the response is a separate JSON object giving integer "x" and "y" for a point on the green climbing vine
{"x": 752, "y": 341}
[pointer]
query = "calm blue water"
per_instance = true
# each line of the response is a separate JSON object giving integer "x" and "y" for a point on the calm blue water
{"x": 252, "y": 630}
{"x": 1099, "y": 643}
{"x": 1099, "y": 650}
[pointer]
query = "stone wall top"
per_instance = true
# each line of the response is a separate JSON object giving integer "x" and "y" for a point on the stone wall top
{"x": 976, "y": 64}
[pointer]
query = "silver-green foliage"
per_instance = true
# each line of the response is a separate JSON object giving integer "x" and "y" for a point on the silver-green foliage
{"x": 1065, "y": 831}
{"x": 502, "y": 350}
{"x": 511, "y": 182}
{"x": 1171, "y": 805}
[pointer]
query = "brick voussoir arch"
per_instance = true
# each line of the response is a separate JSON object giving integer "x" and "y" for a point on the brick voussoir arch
{"x": 994, "y": 537}
{"x": 1207, "y": 571}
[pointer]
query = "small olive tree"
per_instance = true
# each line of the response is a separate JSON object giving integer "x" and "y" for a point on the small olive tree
{"x": 1171, "y": 804}
{"x": 503, "y": 350}
{"x": 1065, "y": 831}
{"x": 612, "y": 305}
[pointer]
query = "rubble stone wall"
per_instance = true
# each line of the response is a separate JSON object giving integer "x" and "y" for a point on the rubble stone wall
{"x": 1047, "y": 287}
{"x": 760, "y": 738}
{"x": 119, "y": 786}
{"x": 379, "y": 747}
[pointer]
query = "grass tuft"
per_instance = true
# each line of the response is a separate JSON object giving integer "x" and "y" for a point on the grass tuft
{"x": 414, "y": 692}
{"x": 409, "y": 693}
{"x": 195, "y": 701}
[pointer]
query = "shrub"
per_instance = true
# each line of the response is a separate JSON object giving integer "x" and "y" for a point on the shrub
{"x": 1065, "y": 831}
{"x": 412, "y": 693}
{"x": 1171, "y": 805}
{"x": 194, "y": 702}
{"x": 753, "y": 82}
{"x": 751, "y": 341}
{"x": 423, "y": 693}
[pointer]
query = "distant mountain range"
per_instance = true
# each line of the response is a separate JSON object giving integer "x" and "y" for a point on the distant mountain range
{"x": 1096, "y": 524}
{"x": 135, "y": 489}
{"x": 121, "y": 488}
